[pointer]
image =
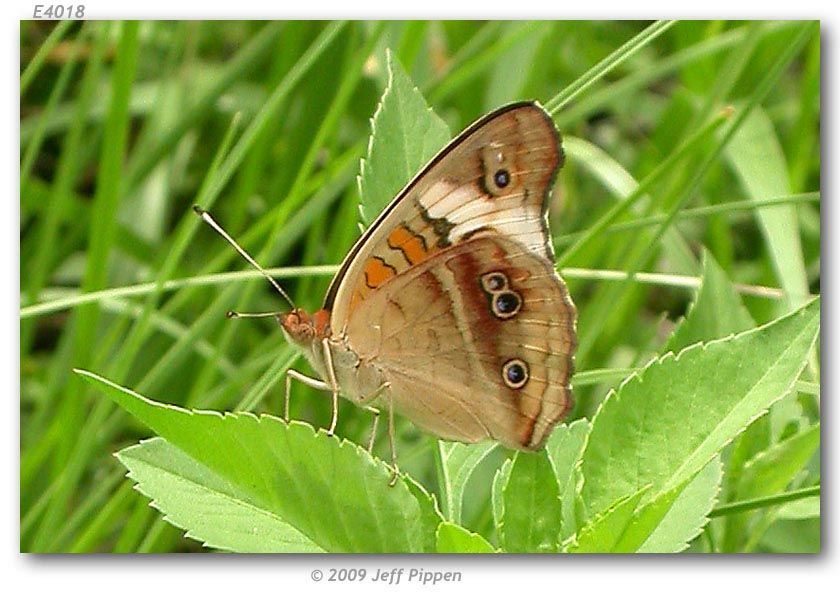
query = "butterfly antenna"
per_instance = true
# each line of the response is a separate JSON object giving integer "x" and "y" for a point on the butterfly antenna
{"x": 212, "y": 223}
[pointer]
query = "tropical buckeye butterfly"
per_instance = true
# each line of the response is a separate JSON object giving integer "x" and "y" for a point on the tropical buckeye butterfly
{"x": 448, "y": 309}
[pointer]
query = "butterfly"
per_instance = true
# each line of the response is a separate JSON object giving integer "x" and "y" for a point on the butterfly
{"x": 448, "y": 309}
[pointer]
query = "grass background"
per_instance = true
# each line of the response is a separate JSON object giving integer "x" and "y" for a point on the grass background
{"x": 125, "y": 125}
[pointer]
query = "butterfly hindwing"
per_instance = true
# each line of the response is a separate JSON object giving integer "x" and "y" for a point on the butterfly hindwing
{"x": 476, "y": 342}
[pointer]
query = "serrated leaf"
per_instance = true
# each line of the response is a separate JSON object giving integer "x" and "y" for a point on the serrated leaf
{"x": 531, "y": 521}
{"x": 331, "y": 491}
{"x": 405, "y": 135}
{"x": 222, "y": 518}
{"x": 565, "y": 447}
{"x": 687, "y": 514}
{"x": 716, "y": 312}
{"x": 458, "y": 462}
{"x": 604, "y": 530}
{"x": 454, "y": 539}
{"x": 667, "y": 422}
{"x": 759, "y": 162}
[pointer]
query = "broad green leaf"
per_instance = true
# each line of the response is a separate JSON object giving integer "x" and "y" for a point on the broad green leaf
{"x": 458, "y": 462}
{"x": 405, "y": 134}
{"x": 454, "y": 539}
{"x": 330, "y": 491}
{"x": 208, "y": 507}
{"x": 686, "y": 516}
{"x": 758, "y": 160}
{"x": 602, "y": 532}
{"x": 716, "y": 312}
{"x": 565, "y": 447}
{"x": 531, "y": 521}
{"x": 669, "y": 420}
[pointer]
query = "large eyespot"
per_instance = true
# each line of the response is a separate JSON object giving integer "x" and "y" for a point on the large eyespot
{"x": 501, "y": 178}
{"x": 506, "y": 304}
{"x": 515, "y": 373}
{"x": 494, "y": 282}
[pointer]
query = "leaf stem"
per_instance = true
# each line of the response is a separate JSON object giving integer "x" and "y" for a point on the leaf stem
{"x": 62, "y": 300}
{"x": 606, "y": 65}
{"x": 754, "y": 503}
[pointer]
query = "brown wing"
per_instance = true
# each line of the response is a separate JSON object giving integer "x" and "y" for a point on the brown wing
{"x": 476, "y": 342}
{"x": 493, "y": 178}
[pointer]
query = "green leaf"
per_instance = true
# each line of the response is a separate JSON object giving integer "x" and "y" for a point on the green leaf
{"x": 454, "y": 539}
{"x": 668, "y": 421}
{"x": 687, "y": 514}
{"x": 716, "y": 312}
{"x": 209, "y": 508}
{"x": 772, "y": 470}
{"x": 333, "y": 493}
{"x": 532, "y": 507}
{"x": 500, "y": 481}
{"x": 565, "y": 447}
{"x": 804, "y": 508}
{"x": 604, "y": 531}
{"x": 405, "y": 134}
{"x": 458, "y": 462}
{"x": 768, "y": 473}
{"x": 758, "y": 160}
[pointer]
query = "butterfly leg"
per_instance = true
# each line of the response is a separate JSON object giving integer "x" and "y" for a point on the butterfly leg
{"x": 372, "y": 439}
{"x": 391, "y": 435}
{"x": 310, "y": 381}
{"x": 365, "y": 401}
{"x": 333, "y": 384}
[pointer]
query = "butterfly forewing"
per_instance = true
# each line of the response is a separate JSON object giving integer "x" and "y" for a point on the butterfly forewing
{"x": 493, "y": 178}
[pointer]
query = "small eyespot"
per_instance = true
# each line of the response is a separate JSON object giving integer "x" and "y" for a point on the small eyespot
{"x": 494, "y": 282}
{"x": 515, "y": 373}
{"x": 507, "y": 304}
{"x": 502, "y": 178}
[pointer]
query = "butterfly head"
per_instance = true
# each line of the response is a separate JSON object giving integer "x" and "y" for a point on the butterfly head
{"x": 302, "y": 328}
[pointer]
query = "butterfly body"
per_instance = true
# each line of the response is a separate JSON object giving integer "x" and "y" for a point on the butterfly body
{"x": 357, "y": 378}
{"x": 448, "y": 310}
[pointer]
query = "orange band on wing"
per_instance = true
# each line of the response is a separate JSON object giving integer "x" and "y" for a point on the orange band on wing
{"x": 377, "y": 272}
{"x": 412, "y": 246}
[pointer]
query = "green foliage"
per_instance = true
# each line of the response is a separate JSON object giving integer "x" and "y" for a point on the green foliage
{"x": 454, "y": 539}
{"x": 665, "y": 423}
{"x": 287, "y": 472}
{"x": 717, "y": 311}
{"x": 405, "y": 134}
{"x": 531, "y": 505}
{"x": 714, "y": 449}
